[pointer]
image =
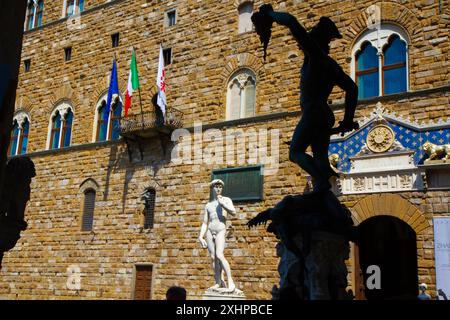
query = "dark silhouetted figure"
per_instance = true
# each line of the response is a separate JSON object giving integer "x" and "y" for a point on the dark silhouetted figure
{"x": 13, "y": 200}
{"x": 319, "y": 74}
{"x": 176, "y": 293}
{"x": 320, "y": 272}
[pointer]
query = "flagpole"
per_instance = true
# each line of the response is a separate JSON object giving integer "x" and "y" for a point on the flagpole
{"x": 139, "y": 91}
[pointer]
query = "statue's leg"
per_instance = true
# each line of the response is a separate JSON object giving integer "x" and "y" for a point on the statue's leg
{"x": 220, "y": 247}
{"x": 301, "y": 139}
{"x": 319, "y": 148}
{"x": 214, "y": 261}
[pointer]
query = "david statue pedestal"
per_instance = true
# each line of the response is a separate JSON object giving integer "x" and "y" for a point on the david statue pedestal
{"x": 214, "y": 229}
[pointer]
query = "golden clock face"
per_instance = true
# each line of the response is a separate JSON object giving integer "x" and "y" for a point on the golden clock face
{"x": 380, "y": 139}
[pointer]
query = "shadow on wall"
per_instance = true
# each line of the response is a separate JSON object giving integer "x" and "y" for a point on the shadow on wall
{"x": 152, "y": 163}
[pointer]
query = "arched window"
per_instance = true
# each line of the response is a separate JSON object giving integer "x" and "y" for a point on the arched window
{"x": 40, "y": 13}
{"x": 67, "y": 129}
{"x": 107, "y": 127}
{"x": 380, "y": 62}
{"x": 367, "y": 77}
{"x": 245, "y": 14}
{"x": 74, "y": 7}
{"x": 394, "y": 66}
{"x": 56, "y": 131}
{"x": 102, "y": 123}
{"x": 29, "y": 21}
{"x": 241, "y": 95}
{"x": 19, "y": 135}
{"x": 23, "y": 142}
{"x": 12, "y": 151}
{"x": 35, "y": 11}
{"x": 60, "y": 128}
{"x": 88, "y": 210}
{"x": 88, "y": 192}
{"x": 116, "y": 114}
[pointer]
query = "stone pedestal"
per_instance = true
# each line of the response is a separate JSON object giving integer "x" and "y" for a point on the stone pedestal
{"x": 217, "y": 294}
{"x": 325, "y": 268}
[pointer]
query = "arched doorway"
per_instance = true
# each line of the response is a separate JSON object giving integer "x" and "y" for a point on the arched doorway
{"x": 390, "y": 244}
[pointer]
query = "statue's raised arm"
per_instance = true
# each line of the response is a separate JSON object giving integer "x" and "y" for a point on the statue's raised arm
{"x": 264, "y": 18}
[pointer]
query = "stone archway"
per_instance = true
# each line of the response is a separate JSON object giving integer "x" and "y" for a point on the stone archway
{"x": 391, "y": 205}
{"x": 375, "y": 215}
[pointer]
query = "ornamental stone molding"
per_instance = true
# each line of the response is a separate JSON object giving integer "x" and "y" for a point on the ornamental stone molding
{"x": 381, "y": 164}
{"x": 378, "y": 173}
{"x": 20, "y": 118}
{"x": 243, "y": 77}
{"x": 63, "y": 108}
{"x": 381, "y": 114}
{"x": 380, "y": 139}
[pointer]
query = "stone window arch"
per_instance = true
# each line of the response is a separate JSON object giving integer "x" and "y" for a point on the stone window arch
{"x": 241, "y": 95}
{"x": 35, "y": 11}
{"x": 19, "y": 136}
{"x": 380, "y": 61}
{"x": 245, "y": 10}
{"x": 60, "y": 126}
{"x": 107, "y": 127}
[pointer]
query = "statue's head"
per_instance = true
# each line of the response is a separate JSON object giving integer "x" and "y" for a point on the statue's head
{"x": 423, "y": 287}
{"x": 427, "y": 146}
{"x": 217, "y": 186}
{"x": 324, "y": 32}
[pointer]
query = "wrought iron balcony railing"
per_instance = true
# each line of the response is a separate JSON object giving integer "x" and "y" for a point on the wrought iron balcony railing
{"x": 150, "y": 123}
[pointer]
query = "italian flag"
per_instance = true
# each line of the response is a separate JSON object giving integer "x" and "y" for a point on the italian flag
{"x": 133, "y": 82}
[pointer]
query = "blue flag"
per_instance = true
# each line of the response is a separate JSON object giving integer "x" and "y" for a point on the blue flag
{"x": 113, "y": 90}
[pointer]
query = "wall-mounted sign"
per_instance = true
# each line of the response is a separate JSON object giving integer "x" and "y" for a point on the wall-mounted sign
{"x": 442, "y": 253}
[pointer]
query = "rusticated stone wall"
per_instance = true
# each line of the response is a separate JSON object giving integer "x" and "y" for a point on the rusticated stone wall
{"x": 206, "y": 51}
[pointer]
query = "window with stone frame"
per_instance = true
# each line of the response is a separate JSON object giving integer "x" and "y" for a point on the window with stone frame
{"x": 88, "y": 192}
{"x": 107, "y": 126}
{"x": 34, "y": 14}
{"x": 245, "y": 13}
{"x": 115, "y": 39}
{"x": 242, "y": 183}
{"x": 380, "y": 61}
{"x": 74, "y": 7}
{"x": 241, "y": 95}
{"x": 171, "y": 18}
{"x": 149, "y": 197}
{"x": 60, "y": 128}
{"x": 167, "y": 54}
{"x": 19, "y": 136}
{"x": 67, "y": 54}
{"x": 88, "y": 210}
{"x": 27, "y": 65}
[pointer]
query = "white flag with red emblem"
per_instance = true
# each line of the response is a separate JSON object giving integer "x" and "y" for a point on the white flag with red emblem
{"x": 161, "y": 83}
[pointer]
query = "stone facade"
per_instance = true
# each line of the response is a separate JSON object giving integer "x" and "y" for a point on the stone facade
{"x": 207, "y": 49}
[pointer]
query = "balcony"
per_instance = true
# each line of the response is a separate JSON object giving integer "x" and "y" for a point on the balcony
{"x": 138, "y": 127}
{"x": 151, "y": 124}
